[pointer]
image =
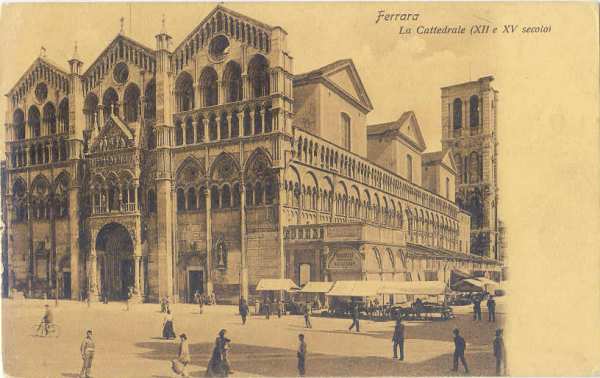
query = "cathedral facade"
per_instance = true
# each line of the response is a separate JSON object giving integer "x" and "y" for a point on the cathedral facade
{"x": 208, "y": 165}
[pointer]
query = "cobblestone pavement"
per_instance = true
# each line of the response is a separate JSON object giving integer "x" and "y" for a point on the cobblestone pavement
{"x": 128, "y": 343}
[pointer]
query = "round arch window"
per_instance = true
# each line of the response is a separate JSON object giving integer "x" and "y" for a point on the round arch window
{"x": 121, "y": 73}
{"x": 41, "y": 92}
{"x": 219, "y": 47}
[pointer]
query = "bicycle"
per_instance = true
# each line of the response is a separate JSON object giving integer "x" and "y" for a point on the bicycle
{"x": 51, "y": 330}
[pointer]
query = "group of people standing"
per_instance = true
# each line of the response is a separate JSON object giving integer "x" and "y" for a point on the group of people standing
{"x": 491, "y": 306}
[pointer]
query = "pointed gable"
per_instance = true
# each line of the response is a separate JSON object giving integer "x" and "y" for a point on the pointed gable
{"x": 342, "y": 77}
{"x": 444, "y": 158}
{"x": 114, "y": 135}
{"x": 223, "y": 21}
{"x": 121, "y": 48}
{"x": 42, "y": 69}
{"x": 448, "y": 161}
{"x": 410, "y": 129}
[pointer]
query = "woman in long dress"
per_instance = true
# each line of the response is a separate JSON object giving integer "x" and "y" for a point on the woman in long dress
{"x": 218, "y": 366}
{"x": 168, "y": 331}
{"x": 184, "y": 355}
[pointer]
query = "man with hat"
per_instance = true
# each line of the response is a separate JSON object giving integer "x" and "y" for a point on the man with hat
{"x": 87, "y": 354}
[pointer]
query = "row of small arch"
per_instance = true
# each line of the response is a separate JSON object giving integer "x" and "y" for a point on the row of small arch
{"x": 258, "y": 75}
{"x": 35, "y": 120}
{"x": 312, "y": 152}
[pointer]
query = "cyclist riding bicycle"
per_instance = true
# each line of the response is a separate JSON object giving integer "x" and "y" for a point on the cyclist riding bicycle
{"x": 47, "y": 320}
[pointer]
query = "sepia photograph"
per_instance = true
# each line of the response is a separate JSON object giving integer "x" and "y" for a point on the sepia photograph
{"x": 278, "y": 189}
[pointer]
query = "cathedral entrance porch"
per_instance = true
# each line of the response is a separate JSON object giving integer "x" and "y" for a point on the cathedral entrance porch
{"x": 117, "y": 268}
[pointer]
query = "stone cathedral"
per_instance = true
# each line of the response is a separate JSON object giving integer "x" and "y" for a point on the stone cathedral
{"x": 208, "y": 164}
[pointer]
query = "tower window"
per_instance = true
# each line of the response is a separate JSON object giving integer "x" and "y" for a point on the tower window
{"x": 345, "y": 129}
{"x": 474, "y": 111}
{"x": 457, "y": 113}
{"x": 409, "y": 168}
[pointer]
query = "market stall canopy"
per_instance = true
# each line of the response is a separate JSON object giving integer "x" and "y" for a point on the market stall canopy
{"x": 469, "y": 285}
{"x": 488, "y": 283}
{"x": 355, "y": 289}
{"x": 317, "y": 287}
{"x": 276, "y": 284}
{"x": 456, "y": 275}
{"x": 413, "y": 287}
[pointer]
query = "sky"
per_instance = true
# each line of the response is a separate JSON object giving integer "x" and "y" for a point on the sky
{"x": 400, "y": 73}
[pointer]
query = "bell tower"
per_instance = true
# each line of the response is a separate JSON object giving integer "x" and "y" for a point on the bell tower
{"x": 469, "y": 128}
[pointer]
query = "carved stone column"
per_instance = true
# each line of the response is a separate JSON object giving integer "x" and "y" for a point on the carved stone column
{"x": 323, "y": 261}
{"x": 205, "y": 131}
{"x": 262, "y": 121}
{"x": 207, "y": 198}
{"x": 252, "y": 129}
{"x": 218, "y": 122}
{"x": 93, "y": 274}
{"x": 243, "y": 252}
{"x": 136, "y": 269}
{"x": 229, "y": 125}
{"x": 240, "y": 116}
{"x": 245, "y": 87}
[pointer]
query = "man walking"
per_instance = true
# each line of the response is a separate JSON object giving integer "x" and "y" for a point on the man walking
{"x": 87, "y": 354}
{"x": 307, "y": 316}
{"x": 355, "y": 322}
{"x": 491, "y": 305}
{"x": 244, "y": 310}
{"x": 268, "y": 308}
{"x": 499, "y": 353}
{"x": 398, "y": 339}
{"x": 476, "y": 308}
{"x": 459, "y": 351}
{"x": 301, "y": 356}
{"x": 47, "y": 320}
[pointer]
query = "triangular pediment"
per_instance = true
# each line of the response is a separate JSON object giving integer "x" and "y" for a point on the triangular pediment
{"x": 410, "y": 130}
{"x": 210, "y": 22}
{"x": 448, "y": 160}
{"x": 122, "y": 48}
{"x": 342, "y": 77}
{"x": 115, "y": 135}
{"x": 41, "y": 70}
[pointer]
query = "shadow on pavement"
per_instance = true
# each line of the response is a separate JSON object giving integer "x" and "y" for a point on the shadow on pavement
{"x": 483, "y": 335}
{"x": 278, "y": 362}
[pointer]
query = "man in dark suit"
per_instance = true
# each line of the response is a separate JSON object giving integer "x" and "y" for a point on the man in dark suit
{"x": 301, "y": 356}
{"x": 499, "y": 353}
{"x": 398, "y": 339}
{"x": 268, "y": 308}
{"x": 355, "y": 322}
{"x": 476, "y": 308}
{"x": 491, "y": 305}
{"x": 459, "y": 351}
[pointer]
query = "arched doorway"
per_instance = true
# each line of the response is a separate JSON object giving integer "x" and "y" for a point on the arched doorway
{"x": 114, "y": 249}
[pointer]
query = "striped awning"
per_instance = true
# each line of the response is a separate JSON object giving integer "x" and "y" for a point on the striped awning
{"x": 317, "y": 287}
{"x": 355, "y": 289}
{"x": 276, "y": 284}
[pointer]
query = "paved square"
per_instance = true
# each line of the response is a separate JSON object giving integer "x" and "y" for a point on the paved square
{"x": 128, "y": 343}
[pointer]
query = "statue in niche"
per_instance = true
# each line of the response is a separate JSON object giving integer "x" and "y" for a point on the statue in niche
{"x": 220, "y": 254}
